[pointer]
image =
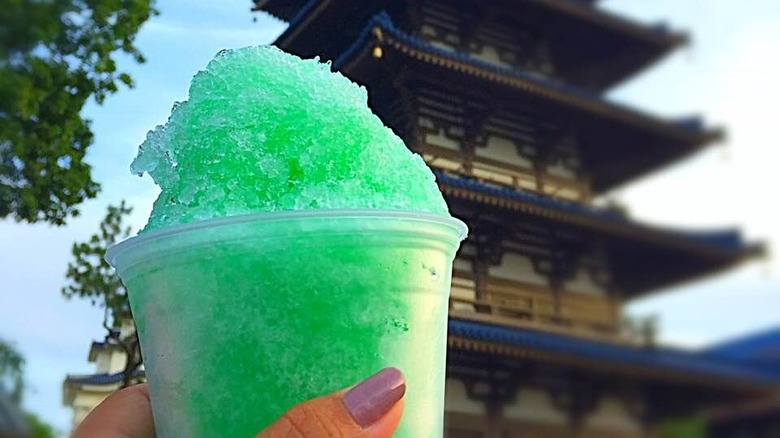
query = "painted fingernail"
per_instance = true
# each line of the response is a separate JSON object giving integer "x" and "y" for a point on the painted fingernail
{"x": 370, "y": 399}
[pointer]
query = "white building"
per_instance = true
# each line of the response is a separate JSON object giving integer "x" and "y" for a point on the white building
{"x": 84, "y": 392}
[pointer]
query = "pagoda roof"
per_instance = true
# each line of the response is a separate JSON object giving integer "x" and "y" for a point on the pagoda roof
{"x": 609, "y": 47}
{"x": 111, "y": 341}
{"x": 95, "y": 379}
{"x": 653, "y": 362}
{"x": 752, "y": 412}
{"x": 101, "y": 378}
{"x": 98, "y": 346}
{"x": 760, "y": 349}
{"x": 672, "y": 140}
{"x": 764, "y": 345}
{"x": 380, "y": 29}
{"x": 293, "y": 10}
{"x": 281, "y": 9}
{"x": 644, "y": 44}
{"x": 108, "y": 381}
{"x": 647, "y": 257}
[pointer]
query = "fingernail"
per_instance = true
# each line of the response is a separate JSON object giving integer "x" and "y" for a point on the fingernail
{"x": 370, "y": 399}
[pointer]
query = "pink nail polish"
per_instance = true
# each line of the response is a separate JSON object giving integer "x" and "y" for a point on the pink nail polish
{"x": 370, "y": 399}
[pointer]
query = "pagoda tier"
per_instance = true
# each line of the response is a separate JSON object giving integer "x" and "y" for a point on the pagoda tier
{"x": 422, "y": 90}
{"x": 491, "y": 366}
{"x": 536, "y": 262}
{"x": 658, "y": 364}
{"x": 642, "y": 257}
{"x": 566, "y": 39}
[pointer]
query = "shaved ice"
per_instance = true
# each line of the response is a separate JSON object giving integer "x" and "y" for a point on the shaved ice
{"x": 266, "y": 131}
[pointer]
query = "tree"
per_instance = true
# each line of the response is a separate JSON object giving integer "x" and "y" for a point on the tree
{"x": 91, "y": 277}
{"x": 89, "y": 274}
{"x": 38, "y": 429}
{"x": 687, "y": 427}
{"x": 11, "y": 371}
{"x": 12, "y": 378}
{"x": 54, "y": 57}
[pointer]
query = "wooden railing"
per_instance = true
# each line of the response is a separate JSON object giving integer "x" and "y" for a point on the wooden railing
{"x": 531, "y": 306}
{"x": 520, "y": 178}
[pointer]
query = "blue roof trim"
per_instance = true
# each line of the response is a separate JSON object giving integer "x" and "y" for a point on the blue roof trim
{"x": 270, "y": 5}
{"x": 378, "y": 19}
{"x": 689, "y": 126}
{"x": 658, "y": 358}
{"x": 384, "y": 21}
{"x": 729, "y": 240}
{"x": 761, "y": 347}
{"x": 302, "y": 13}
{"x": 100, "y": 379}
{"x": 660, "y": 28}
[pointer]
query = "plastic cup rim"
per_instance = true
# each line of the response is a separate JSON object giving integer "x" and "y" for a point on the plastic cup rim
{"x": 458, "y": 225}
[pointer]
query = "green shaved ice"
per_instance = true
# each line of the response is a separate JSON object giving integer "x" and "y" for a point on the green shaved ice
{"x": 266, "y": 131}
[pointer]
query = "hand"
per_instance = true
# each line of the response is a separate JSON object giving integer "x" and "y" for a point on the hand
{"x": 370, "y": 409}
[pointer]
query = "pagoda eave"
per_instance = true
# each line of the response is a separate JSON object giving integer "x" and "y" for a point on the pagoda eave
{"x": 612, "y": 76}
{"x": 283, "y": 10}
{"x": 652, "y": 257}
{"x": 641, "y": 45}
{"x": 622, "y": 170}
{"x": 589, "y": 217}
{"x": 382, "y": 33}
{"x": 748, "y": 412}
{"x": 106, "y": 383}
{"x": 288, "y": 10}
{"x": 617, "y": 23}
{"x": 662, "y": 39}
{"x": 96, "y": 347}
{"x": 655, "y": 364}
{"x": 613, "y": 160}
{"x": 306, "y": 14}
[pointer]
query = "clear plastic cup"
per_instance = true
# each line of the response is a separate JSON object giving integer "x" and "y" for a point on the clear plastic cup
{"x": 240, "y": 318}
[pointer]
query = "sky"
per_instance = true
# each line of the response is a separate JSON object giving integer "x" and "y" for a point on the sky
{"x": 728, "y": 75}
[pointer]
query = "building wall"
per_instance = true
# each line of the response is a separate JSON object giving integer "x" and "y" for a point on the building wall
{"x": 534, "y": 405}
{"x": 611, "y": 418}
{"x": 457, "y": 400}
{"x": 102, "y": 362}
{"x": 86, "y": 399}
{"x": 117, "y": 361}
{"x": 532, "y": 413}
{"x": 503, "y": 149}
{"x": 582, "y": 282}
{"x": 493, "y": 40}
{"x": 108, "y": 360}
{"x": 518, "y": 268}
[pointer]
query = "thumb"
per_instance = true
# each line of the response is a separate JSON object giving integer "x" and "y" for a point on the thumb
{"x": 370, "y": 409}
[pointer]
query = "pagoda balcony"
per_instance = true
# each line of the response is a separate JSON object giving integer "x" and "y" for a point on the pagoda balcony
{"x": 617, "y": 47}
{"x": 529, "y": 306}
{"x": 621, "y": 143}
{"x": 643, "y": 257}
{"x": 491, "y": 171}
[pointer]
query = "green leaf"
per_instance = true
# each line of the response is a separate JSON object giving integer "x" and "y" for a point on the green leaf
{"x": 126, "y": 79}
{"x": 11, "y": 371}
{"x": 38, "y": 428}
{"x": 64, "y": 54}
{"x": 89, "y": 276}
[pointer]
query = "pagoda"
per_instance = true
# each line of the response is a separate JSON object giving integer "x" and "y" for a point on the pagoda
{"x": 505, "y": 102}
{"x": 752, "y": 418}
{"x": 83, "y": 392}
